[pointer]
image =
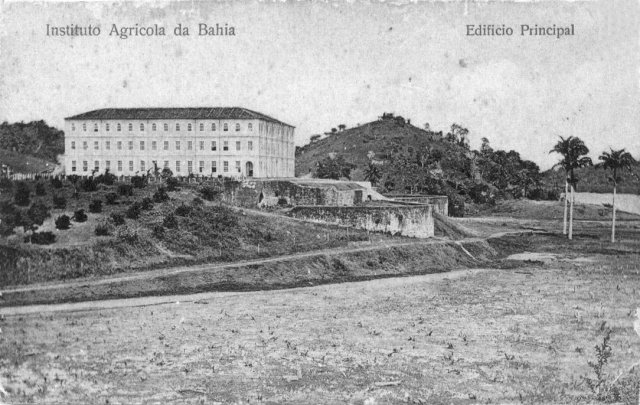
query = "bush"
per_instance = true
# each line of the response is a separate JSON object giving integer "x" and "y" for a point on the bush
{"x": 59, "y": 201}
{"x": 111, "y": 198}
{"x": 209, "y": 193}
{"x": 158, "y": 231}
{"x": 56, "y": 183}
{"x": 125, "y": 189}
{"x": 160, "y": 195}
{"x": 172, "y": 183}
{"x": 456, "y": 206}
{"x": 197, "y": 201}
{"x": 5, "y": 184}
{"x": 42, "y": 238}
{"x": 106, "y": 178}
{"x": 104, "y": 229}
{"x": 117, "y": 218}
{"x": 139, "y": 181}
{"x": 282, "y": 202}
{"x": 37, "y": 213}
{"x": 89, "y": 185}
{"x": 10, "y": 217}
{"x": 127, "y": 234}
{"x": 22, "y": 194}
{"x": 79, "y": 216}
{"x": 63, "y": 222}
{"x": 183, "y": 211}
{"x": 40, "y": 190}
{"x": 134, "y": 210}
{"x": 170, "y": 221}
{"x": 146, "y": 204}
{"x": 95, "y": 206}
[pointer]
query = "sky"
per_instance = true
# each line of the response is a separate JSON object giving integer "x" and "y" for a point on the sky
{"x": 315, "y": 65}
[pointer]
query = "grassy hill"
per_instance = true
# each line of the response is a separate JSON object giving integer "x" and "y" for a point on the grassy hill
{"x": 592, "y": 180}
{"x": 21, "y": 163}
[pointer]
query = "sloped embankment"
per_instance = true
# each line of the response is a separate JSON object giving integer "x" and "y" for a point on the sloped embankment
{"x": 305, "y": 270}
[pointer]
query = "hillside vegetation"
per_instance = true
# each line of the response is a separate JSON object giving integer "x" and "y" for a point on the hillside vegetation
{"x": 595, "y": 180}
{"x": 35, "y": 139}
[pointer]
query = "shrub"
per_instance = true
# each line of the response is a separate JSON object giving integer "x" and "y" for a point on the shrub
{"x": 106, "y": 178}
{"x": 79, "y": 216}
{"x": 172, "y": 183}
{"x": 170, "y": 221}
{"x": 104, "y": 229}
{"x": 43, "y": 238}
{"x": 456, "y": 205}
{"x": 134, "y": 210}
{"x": 139, "y": 181}
{"x": 88, "y": 185}
{"x": 10, "y": 217}
{"x": 209, "y": 193}
{"x": 117, "y": 218}
{"x": 183, "y": 211}
{"x": 160, "y": 195}
{"x": 37, "y": 213}
{"x": 166, "y": 173}
{"x": 158, "y": 231}
{"x": 197, "y": 201}
{"x": 127, "y": 234}
{"x": 95, "y": 206}
{"x": 146, "y": 204}
{"x": 22, "y": 194}
{"x": 63, "y": 222}
{"x": 5, "y": 184}
{"x": 59, "y": 201}
{"x": 56, "y": 183}
{"x": 40, "y": 190}
{"x": 111, "y": 198}
{"x": 125, "y": 189}
{"x": 282, "y": 202}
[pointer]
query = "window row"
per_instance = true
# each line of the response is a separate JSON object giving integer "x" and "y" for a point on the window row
{"x": 166, "y": 164}
{"x": 165, "y": 126}
{"x": 213, "y": 145}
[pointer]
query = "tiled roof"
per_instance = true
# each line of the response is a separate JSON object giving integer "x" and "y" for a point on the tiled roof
{"x": 199, "y": 113}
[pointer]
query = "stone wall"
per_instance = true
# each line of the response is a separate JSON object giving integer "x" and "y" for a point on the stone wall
{"x": 414, "y": 221}
{"x": 440, "y": 202}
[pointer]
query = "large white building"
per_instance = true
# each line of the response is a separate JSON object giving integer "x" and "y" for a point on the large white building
{"x": 226, "y": 141}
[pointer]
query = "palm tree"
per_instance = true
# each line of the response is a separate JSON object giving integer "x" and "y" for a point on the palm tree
{"x": 372, "y": 173}
{"x": 573, "y": 151}
{"x": 616, "y": 161}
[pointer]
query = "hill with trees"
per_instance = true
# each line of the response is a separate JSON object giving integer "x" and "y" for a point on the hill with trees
{"x": 35, "y": 139}
{"x": 399, "y": 157}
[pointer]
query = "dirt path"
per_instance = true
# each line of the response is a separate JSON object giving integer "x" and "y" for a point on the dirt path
{"x": 203, "y": 297}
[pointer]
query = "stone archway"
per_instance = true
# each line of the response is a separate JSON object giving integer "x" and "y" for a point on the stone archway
{"x": 249, "y": 169}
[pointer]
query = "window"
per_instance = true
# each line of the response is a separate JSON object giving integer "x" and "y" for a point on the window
{"x": 96, "y": 145}
{"x": 85, "y": 166}
{"x": 119, "y": 165}
{"x": 237, "y": 127}
{"x": 250, "y": 145}
{"x": 238, "y": 166}
{"x": 250, "y": 127}
{"x": 225, "y": 127}
{"x": 119, "y": 145}
{"x": 153, "y": 126}
{"x": 177, "y": 166}
{"x": 141, "y": 145}
{"x": 107, "y": 164}
{"x": 107, "y": 145}
{"x": 107, "y": 127}
{"x": 166, "y": 145}
{"x": 213, "y": 126}
{"x": 73, "y": 126}
{"x": 166, "y": 164}
{"x": 213, "y": 145}
{"x": 142, "y": 126}
{"x": 154, "y": 145}
{"x": 214, "y": 167}
{"x": 166, "y": 127}
{"x": 84, "y": 126}
{"x": 190, "y": 145}
{"x": 95, "y": 127}
{"x": 225, "y": 166}
{"x": 130, "y": 127}
{"x": 73, "y": 144}
{"x": 130, "y": 145}
{"x": 84, "y": 145}
{"x": 119, "y": 127}
{"x": 201, "y": 166}
{"x": 142, "y": 165}
{"x": 237, "y": 145}
{"x": 189, "y": 166}
{"x": 177, "y": 145}
{"x": 188, "y": 127}
{"x": 96, "y": 165}
{"x": 225, "y": 145}
{"x": 73, "y": 165}
{"x": 201, "y": 126}
{"x": 201, "y": 145}
{"x": 177, "y": 126}
{"x": 131, "y": 165}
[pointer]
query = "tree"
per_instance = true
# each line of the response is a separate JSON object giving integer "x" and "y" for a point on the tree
{"x": 74, "y": 178}
{"x": 342, "y": 127}
{"x": 573, "y": 151}
{"x": 372, "y": 173}
{"x": 314, "y": 138}
{"x": 616, "y": 161}
{"x": 22, "y": 194}
{"x": 333, "y": 168}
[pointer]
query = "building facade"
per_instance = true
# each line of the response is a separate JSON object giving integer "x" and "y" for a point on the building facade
{"x": 219, "y": 141}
